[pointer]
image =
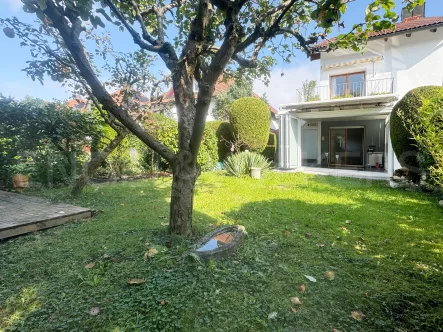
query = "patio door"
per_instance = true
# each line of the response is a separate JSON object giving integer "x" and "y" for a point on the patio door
{"x": 346, "y": 146}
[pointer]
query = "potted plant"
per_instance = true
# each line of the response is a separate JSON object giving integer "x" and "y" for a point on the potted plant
{"x": 20, "y": 181}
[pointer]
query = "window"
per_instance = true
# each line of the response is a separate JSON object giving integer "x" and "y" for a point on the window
{"x": 348, "y": 85}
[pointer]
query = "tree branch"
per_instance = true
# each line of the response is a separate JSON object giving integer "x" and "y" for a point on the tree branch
{"x": 75, "y": 47}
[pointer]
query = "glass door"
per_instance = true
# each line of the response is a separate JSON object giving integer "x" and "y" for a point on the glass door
{"x": 346, "y": 146}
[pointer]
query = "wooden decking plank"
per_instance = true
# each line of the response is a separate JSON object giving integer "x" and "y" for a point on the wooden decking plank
{"x": 20, "y": 214}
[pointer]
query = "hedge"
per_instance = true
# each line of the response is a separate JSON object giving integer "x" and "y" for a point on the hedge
{"x": 223, "y": 131}
{"x": 250, "y": 118}
{"x": 271, "y": 149}
{"x": 408, "y": 108}
{"x": 165, "y": 129}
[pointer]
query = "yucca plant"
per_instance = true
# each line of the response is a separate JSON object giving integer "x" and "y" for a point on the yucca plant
{"x": 240, "y": 164}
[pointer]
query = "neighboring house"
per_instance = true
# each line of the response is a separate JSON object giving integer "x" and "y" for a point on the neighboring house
{"x": 221, "y": 86}
{"x": 343, "y": 122}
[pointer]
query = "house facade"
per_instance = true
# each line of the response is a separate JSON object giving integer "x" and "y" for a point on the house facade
{"x": 343, "y": 121}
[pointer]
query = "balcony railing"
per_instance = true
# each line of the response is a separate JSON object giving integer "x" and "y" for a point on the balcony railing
{"x": 346, "y": 90}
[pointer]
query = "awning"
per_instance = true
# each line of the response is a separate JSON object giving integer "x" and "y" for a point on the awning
{"x": 353, "y": 62}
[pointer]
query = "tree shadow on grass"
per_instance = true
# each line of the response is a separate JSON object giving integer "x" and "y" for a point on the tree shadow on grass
{"x": 374, "y": 253}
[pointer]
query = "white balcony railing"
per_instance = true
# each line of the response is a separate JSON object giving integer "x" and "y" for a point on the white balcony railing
{"x": 346, "y": 90}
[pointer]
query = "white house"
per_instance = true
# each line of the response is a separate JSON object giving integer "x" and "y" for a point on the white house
{"x": 343, "y": 122}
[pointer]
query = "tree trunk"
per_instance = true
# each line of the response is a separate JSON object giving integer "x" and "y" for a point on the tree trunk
{"x": 97, "y": 159}
{"x": 182, "y": 194}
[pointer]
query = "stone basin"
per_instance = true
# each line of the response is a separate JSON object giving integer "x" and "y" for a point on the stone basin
{"x": 220, "y": 243}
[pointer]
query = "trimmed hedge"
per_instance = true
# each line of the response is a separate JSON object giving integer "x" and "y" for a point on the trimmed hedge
{"x": 250, "y": 118}
{"x": 165, "y": 129}
{"x": 271, "y": 149}
{"x": 223, "y": 131}
{"x": 408, "y": 108}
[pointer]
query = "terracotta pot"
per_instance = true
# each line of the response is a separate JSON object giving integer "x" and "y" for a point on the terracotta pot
{"x": 20, "y": 182}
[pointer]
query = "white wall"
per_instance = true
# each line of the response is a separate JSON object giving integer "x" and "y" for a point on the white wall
{"x": 412, "y": 61}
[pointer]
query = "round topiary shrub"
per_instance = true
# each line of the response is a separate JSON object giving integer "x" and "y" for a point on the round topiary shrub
{"x": 250, "y": 119}
{"x": 408, "y": 108}
{"x": 223, "y": 131}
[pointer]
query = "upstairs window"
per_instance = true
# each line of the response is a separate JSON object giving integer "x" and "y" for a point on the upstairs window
{"x": 348, "y": 85}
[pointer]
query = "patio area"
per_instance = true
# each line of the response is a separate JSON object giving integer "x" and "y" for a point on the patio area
{"x": 20, "y": 214}
{"x": 349, "y": 173}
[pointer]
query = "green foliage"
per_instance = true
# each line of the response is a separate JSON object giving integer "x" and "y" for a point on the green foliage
{"x": 271, "y": 149}
{"x": 45, "y": 141}
{"x": 426, "y": 128}
{"x": 165, "y": 129}
{"x": 240, "y": 88}
{"x": 224, "y": 136}
{"x": 408, "y": 110}
{"x": 240, "y": 164}
{"x": 250, "y": 119}
{"x": 310, "y": 92}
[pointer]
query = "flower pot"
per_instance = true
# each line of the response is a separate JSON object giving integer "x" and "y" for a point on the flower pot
{"x": 255, "y": 172}
{"x": 20, "y": 182}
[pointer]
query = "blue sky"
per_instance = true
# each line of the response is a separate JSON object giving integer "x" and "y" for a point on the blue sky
{"x": 13, "y": 58}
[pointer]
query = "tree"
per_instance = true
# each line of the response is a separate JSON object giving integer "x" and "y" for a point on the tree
{"x": 310, "y": 92}
{"x": 240, "y": 88}
{"x": 210, "y": 37}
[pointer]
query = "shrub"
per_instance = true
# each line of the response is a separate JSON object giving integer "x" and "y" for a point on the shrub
{"x": 271, "y": 149}
{"x": 427, "y": 131}
{"x": 407, "y": 110}
{"x": 250, "y": 118}
{"x": 165, "y": 129}
{"x": 240, "y": 164}
{"x": 46, "y": 141}
{"x": 224, "y": 135}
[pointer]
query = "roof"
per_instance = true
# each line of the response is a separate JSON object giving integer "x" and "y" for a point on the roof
{"x": 221, "y": 86}
{"x": 82, "y": 104}
{"x": 408, "y": 24}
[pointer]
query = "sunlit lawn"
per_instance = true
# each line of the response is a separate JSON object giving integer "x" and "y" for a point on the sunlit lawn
{"x": 388, "y": 262}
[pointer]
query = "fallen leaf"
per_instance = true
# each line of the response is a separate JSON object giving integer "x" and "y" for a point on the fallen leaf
{"x": 162, "y": 302}
{"x": 89, "y": 265}
{"x": 335, "y": 330}
{"x": 366, "y": 294}
{"x": 164, "y": 223}
{"x": 330, "y": 275}
{"x": 301, "y": 288}
{"x": 310, "y": 278}
{"x": 151, "y": 252}
{"x": 293, "y": 309}
{"x": 343, "y": 228}
{"x": 94, "y": 311}
{"x": 105, "y": 256}
{"x": 295, "y": 300}
{"x": 122, "y": 204}
{"x": 273, "y": 315}
{"x": 136, "y": 281}
{"x": 348, "y": 222}
{"x": 287, "y": 233}
{"x": 321, "y": 245}
{"x": 307, "y": 235}
{"x": 358, "y": 315}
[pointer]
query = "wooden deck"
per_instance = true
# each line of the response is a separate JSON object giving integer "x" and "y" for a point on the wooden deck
{"x": 20, "y": 214}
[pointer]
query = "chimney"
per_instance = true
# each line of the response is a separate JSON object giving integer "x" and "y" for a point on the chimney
{"x": 419, "y": 11}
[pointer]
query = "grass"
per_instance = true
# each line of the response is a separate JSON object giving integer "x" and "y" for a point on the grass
{"x": 387, "y": 262}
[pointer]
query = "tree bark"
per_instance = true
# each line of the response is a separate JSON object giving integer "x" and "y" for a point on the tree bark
{"x": 97, "y": 159}
{"x": 185, "y": 174}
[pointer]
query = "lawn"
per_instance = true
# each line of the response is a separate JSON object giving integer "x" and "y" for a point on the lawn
{"x": 387, "y": 260}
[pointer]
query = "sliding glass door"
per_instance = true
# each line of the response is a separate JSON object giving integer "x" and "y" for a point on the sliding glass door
{"x": 346, "y": 146}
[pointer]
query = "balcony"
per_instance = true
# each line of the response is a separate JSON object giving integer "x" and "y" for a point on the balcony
{"x": 365, "y": 88}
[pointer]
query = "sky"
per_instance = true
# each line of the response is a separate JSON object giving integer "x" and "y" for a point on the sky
{"x": 285, "y": 78}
